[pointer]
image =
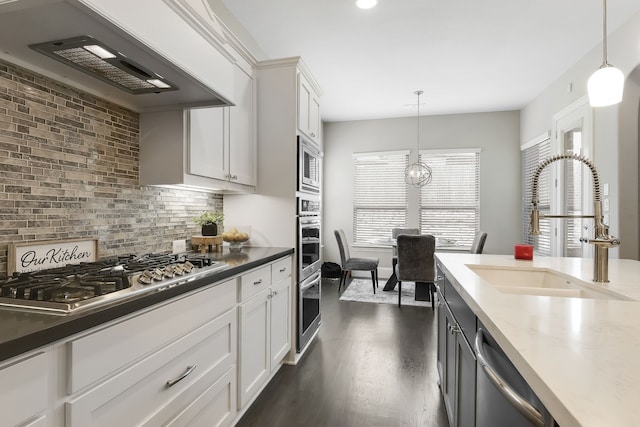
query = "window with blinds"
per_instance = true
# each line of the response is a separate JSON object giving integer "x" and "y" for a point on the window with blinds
{"x": 531, "y": 155}
{"x": 379, "y": 195}
{"x": 450, "y": 204}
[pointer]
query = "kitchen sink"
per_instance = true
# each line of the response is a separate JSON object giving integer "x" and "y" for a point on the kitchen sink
{"x": 540, "y": 281}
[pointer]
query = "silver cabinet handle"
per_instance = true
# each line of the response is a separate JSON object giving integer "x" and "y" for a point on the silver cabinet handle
{"x": 518, "y": 402}
{"x": 258, "y": 282}
{"x": 186, "y": 373}
{"x": 274, "y": 293}
{"x": 454, "y": 329}
{"x": 283, "y": 269}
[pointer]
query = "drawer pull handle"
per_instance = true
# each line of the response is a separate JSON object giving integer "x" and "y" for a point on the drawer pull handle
{"x": 283, "y": 269}
{"x": 258, "y": 282}
{"x": 186, "y": 373}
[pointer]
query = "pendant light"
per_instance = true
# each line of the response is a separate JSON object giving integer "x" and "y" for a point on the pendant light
{"x": 605, "y": 86}
{"x": 418, "y": 174}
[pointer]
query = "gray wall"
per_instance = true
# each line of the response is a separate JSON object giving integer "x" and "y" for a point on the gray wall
{"x": 496, "y": 134}
{"x": 615, "y": 128}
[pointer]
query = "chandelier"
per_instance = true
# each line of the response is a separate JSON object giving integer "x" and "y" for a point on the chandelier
{"x": 418, "y": 174}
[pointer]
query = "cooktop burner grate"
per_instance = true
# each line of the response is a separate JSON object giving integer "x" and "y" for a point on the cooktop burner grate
{"x": 67, "y": 289}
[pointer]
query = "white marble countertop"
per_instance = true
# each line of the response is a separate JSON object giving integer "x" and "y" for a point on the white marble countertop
{"x": 580, "y": 356}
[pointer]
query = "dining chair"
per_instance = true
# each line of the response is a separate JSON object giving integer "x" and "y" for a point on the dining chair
{"x": 478, "y": 243}
{"x": 349, "y": 264}
{"x": 416, "y": 262}
{"x": 395, "y": 232}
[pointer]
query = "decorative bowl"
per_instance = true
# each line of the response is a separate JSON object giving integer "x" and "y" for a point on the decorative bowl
{"x": 236, "y": 236}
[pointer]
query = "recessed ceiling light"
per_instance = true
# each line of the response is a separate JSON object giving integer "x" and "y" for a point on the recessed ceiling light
{"x": 366, "y": 4}
{"x": 99, "y": 51}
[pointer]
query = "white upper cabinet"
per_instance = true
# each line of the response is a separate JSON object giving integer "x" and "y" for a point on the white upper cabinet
{"x": 209, "y": 148}
{"x": 308, "y": 109}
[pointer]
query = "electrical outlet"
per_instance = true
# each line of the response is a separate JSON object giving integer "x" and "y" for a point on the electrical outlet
{"x": 605, "y": 204}
{"x": 179, "y": 246}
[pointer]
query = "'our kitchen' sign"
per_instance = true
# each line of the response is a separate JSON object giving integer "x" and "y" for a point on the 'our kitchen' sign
{"x": 41, "y": 255}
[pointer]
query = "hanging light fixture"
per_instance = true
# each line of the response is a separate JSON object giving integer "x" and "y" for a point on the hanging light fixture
{"x": 418, "y": 174}
{"x": 605, "y": 86}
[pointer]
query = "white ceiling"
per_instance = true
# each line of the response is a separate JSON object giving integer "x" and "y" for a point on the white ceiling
{"x": 466, "y": 55}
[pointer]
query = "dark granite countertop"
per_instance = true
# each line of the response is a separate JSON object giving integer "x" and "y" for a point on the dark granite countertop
{"x": 23, "y": 331}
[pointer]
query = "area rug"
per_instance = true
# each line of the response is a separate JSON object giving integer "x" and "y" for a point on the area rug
{"x": 362, "y": 291}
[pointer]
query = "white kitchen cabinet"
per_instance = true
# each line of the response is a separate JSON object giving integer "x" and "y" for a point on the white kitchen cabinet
{"x": 222, "y": 140}
{"x": 153, "y": 367}
{"x": 308, "y": 109}
{"x": 264, "y": 327}
{"x": 23, "y": 396}
{"x": 254, "y": 358}
{"x": 207, "y": 148}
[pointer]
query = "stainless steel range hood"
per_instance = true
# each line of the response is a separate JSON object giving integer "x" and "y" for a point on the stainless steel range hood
{"x": 46, "y": 35}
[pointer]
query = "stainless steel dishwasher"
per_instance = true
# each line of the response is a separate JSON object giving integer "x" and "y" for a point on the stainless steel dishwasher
{"x": 504, "y": 399}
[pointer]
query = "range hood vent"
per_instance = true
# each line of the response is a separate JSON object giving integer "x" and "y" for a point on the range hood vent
{"x": 115, "y": 50}
{"x": 90, "y": 56}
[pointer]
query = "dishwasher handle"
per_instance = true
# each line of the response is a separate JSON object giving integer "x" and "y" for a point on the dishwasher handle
{"x": 518, "y": 402}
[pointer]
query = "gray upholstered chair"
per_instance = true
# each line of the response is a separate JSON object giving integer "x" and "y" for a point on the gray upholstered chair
{"x": 395, "y": 232}
{"x": 416, "y": 262}
{"x": 349, "y": 264}
{"x": 478, "y": 243}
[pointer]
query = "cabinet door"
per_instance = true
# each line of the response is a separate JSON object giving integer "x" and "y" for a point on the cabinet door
{"x": 448, "y": 392}
{"x": 254, "y": 346}
{"x": 465, "y": 400}
{"x": 304, "y": 100}
{"x": 280, "y": 321}
{"x": 206, "y": 143}
{"x": 242, "y": 140}
{"x": 314, "y": 118}
{"x": 442, "y": 337}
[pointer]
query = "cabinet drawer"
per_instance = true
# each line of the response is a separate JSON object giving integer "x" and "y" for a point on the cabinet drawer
{"x": 280, "y": 269}
{"x": 210, "y": 402}
{"x": 106, "y": 351}
{"x": 24, "y": 389}
{"x": 254, "y": 281}
{"x": 135, "y": 394}
{"x": 461, "y": 311}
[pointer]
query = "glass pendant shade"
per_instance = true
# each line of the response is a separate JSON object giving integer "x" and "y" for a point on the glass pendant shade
{"x": 417, "y": 174}
{"x": 605, "y": 86}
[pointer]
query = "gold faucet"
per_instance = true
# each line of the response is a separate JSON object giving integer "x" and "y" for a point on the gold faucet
{"x": 602, "y": 241}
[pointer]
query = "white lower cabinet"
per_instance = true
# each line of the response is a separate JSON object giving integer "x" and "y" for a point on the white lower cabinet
{"x": 171, "y": 377}
{"x": 264, "y": 329}
{"x": 23, "y": 395}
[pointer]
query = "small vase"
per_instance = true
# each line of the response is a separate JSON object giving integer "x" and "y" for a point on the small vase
{"x": 210, "y": 230}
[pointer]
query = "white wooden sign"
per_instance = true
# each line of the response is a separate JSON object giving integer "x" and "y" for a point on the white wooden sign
{"x": 33, "y": 256}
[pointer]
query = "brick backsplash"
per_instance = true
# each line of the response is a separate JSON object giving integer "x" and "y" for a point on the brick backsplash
{"x": 69, "y": 164}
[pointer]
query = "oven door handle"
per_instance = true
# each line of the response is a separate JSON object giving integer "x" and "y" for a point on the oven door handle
{"x": 309, "y": 282}
{"x": 309, "y": 220}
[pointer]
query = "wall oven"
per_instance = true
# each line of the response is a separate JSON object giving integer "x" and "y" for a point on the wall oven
{"x": 309, "y": 166}
{"x": 308, "y": 249}
{"x": 308, "y": 309}
{"x": 309, "y": 232}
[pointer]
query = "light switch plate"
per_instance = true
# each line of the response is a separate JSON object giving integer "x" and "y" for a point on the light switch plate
{"x": 179, "y": 246}
{"x": 605, "y": 189}
{"x": 605, "y": 205}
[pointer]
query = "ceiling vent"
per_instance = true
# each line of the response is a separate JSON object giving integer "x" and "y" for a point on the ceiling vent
{"x": 90, "y": 56}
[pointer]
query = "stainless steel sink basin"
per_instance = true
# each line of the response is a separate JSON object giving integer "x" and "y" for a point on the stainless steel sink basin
{"x": 540, "y": 281}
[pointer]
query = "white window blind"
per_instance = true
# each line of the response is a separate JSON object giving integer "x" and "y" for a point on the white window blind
{"x": 531, "y": 155}
{"x": 450, "y": 204}
{"x": 379, "y": 195}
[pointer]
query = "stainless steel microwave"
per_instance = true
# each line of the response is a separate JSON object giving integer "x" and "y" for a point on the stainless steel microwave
{"x": 309, "y": 166}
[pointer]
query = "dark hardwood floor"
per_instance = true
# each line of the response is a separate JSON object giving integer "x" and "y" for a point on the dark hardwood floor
{"x": 370, "y": 365}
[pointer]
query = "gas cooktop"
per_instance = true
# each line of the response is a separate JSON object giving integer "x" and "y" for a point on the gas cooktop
{"x": 77, "y": 287}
